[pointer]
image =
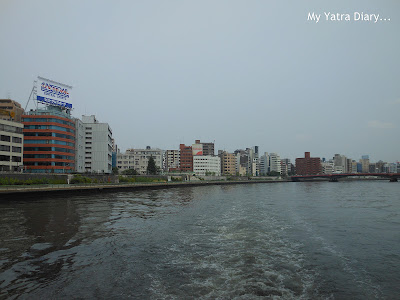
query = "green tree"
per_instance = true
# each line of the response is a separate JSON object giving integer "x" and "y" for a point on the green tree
{"x": 115, "y": 170}
{"x": 274, "y": 173}
{"x": 151, "y": 166}
{"x": 130, "y": 172}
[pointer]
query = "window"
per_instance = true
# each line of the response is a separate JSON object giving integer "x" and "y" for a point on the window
{"x": 4, "y": 158}
{"x": 16, "y": 149}
{"x": 4, "y": 148}
{"x": 5, "y": 138}
{"x": 16, "y": 139}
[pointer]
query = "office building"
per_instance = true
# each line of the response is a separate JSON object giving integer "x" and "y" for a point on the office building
{"x": 364, "y": 161}
{"x": 97, "y": 145}
{"x": 205, "y": 165}
{"x": 275, "y": 163}
{"x": 49, "y": 141}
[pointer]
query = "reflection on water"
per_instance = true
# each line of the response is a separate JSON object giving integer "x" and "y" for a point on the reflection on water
{"x": 280, "y": 241}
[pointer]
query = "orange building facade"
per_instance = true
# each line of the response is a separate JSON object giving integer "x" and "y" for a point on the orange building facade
{"x": 49, "y": 141}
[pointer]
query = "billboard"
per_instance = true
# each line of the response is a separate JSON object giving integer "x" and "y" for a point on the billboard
{"x": 197, "y": 149}
{"x": 53, "y": 93}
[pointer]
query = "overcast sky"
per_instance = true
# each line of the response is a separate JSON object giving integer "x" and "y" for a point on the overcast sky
{"x": 240, "y": 73}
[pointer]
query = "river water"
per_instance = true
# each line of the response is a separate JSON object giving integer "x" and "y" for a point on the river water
{"x": 314, "y": 240}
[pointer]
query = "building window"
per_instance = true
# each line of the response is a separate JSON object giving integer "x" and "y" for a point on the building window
{"x": 16, "y": 149}
{"x": 5, "y": 138}
{"x": 17, "y": 140}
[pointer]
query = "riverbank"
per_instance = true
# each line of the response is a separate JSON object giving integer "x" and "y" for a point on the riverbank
{"x": 11, "y": 192}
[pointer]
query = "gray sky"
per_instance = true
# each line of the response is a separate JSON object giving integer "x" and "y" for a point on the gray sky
{"x": 242, "y": 73}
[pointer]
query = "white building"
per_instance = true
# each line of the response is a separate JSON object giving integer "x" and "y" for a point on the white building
{"x": 171, "y": 159}
{"x": 138, "y": 159}
{"x": 327, "y": 167}
{"x": 204, "y": 165}
{"x": 275, "y": 163}
{"x": 11, "y": 145}
{"x": 264, "y": 164}
{"x": 340, "y": 162}
{"x": 97, "y": 139}
{"x": 79, "y": 146}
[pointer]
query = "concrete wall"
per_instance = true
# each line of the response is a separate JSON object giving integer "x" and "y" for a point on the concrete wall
{"x": 31, "y": 176}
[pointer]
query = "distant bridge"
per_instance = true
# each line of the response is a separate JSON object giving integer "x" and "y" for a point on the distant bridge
{"x": 393, "y": 177}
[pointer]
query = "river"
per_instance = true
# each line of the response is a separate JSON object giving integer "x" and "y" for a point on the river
{"x": 313, "y": 240}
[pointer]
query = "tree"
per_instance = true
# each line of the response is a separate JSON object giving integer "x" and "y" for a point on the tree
{"x": 130, "y": 172}
{"x": 274, "y": 173}
{"x": 115, "y": 171}
{"x": 151, "y": 166}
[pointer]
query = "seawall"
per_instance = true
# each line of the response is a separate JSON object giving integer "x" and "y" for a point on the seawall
{"x": 13, "y": 192}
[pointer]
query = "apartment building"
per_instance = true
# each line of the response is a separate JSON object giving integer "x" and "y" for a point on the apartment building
{"x": 308, "y": 165}
{"x": 11, "y": 145}
{"x": 171, "y": 160}
{"x": 138, "y": 159}
{"x": 228, "y": 163}
{"x": 186, "y": 158}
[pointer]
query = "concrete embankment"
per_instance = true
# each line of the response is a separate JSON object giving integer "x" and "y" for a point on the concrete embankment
{"x": 10, "y": 192}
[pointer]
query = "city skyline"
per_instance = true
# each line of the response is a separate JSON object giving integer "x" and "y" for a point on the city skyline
{"x": 164, "y": 74}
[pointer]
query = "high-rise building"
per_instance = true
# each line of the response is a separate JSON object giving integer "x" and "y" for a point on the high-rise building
{"x": 49, "y": 141}
{"x": 275, "y": 163}
{"x": 98, "y": 145}
{"x": 264, "y": 164}
{"x": 364, "y": 164}
{"x": 340, "y": 164}
{"x": 186, "y": 158}
{"x": 11, "y": 145}
{"x": 308, "y": 165}
{"x": 10, "y": 110}
{"x": 228, "y": 163}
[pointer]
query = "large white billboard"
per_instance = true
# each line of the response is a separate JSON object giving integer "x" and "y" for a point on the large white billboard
{"x": 197, "y": 149}
{"x": 53, "y": 93}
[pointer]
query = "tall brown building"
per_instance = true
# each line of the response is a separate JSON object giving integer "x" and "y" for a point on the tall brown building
{"x": 228, "y": 163}
{"x": 308, "y": 165}
{"x": 186, "y": 158}
{"x": 10, "y": 110}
